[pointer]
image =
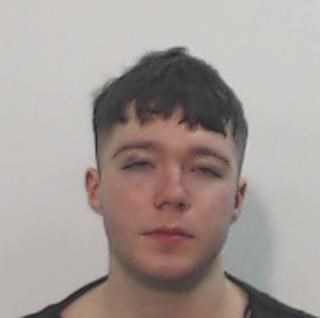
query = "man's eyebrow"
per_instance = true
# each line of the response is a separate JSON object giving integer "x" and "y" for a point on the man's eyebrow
{"x": 135, "y": 145}
{"x": 203, "y": 151}
{"x": 197, "y": 151}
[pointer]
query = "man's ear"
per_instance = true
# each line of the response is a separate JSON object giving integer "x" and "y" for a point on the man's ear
{"x": 239, "y": 199}
{"x": 92, "y": 182}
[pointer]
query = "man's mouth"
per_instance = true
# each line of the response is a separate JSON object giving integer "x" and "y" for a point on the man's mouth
{"x": 169, "y": 234}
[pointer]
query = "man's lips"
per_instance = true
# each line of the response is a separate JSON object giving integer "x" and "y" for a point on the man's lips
{"x": 169, "y": 232}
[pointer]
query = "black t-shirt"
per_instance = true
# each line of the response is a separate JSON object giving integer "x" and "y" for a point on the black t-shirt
{"x": 260, "y": 304}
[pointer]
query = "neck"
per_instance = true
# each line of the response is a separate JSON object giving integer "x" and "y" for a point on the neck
{"x": 209, "y": 297}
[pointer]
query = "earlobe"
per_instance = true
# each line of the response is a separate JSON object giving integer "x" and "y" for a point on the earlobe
{"x": 92, "y": 182}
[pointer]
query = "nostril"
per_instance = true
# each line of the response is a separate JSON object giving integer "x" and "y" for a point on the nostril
{"x": 179, "y": 204}
{"x": 182, "y": 206}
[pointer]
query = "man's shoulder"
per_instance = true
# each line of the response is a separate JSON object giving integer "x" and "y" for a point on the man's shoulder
{"x": 51, "y": 311}
{"x": 264, "y": 306}
{"x": 54, "y": 310}
{"x": 271, "y": 307}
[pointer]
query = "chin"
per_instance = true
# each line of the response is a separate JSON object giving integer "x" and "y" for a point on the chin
{"x": 172, "y": 276}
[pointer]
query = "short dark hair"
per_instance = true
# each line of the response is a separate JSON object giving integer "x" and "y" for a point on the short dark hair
{"x": 159, "y": 84}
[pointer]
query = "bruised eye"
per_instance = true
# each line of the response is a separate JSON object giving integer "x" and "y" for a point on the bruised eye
{"x": 137, "y": 165}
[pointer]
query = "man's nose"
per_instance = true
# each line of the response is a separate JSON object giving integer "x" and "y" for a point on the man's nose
{"x": 171, "y": 192}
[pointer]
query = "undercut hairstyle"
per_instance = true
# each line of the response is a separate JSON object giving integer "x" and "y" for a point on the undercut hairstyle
{"x": 163, "y": 82}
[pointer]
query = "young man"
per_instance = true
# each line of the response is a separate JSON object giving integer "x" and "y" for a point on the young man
{"x": 170, "y": 138}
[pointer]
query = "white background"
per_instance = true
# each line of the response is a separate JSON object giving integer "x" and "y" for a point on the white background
{"x": 53, "y": 56}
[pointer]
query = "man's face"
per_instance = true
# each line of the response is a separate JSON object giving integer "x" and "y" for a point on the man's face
{"x": 168, "y": 195}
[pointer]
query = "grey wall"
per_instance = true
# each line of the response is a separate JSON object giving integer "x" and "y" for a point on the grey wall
{"x": 54, "y": 54}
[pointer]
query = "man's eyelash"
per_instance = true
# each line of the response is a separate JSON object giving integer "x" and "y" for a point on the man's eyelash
{"x": 209, "y": 171}
{"x": 142, "y": 164}
{"x": 137, "y": 164}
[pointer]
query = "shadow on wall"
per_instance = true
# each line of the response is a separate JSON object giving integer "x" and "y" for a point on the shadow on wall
{"x": 249, "y": 251}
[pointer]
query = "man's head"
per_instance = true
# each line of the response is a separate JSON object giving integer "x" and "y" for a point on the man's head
{"x": 170, "y": 137}
{"x": 163, "y": 82}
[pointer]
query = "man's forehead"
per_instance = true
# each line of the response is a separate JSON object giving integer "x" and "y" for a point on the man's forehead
{"x": 175, "y": 125}
{"x": 131, "y": 118}
{"x": 171, "y": 133}
{"x": 164, "y": 127}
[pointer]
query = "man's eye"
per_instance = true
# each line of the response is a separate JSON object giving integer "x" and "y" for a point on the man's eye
{"x": 208, "y": 171}
{"x": 138, "y": 165}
